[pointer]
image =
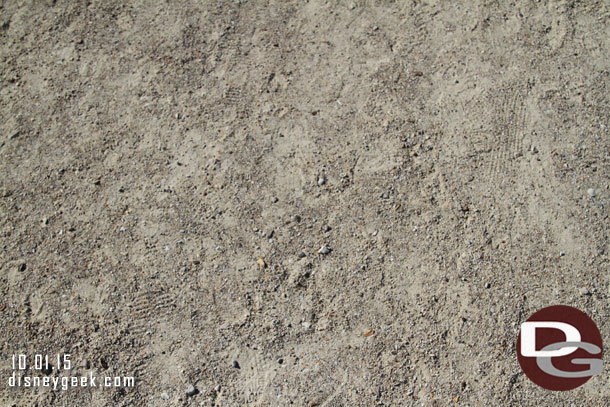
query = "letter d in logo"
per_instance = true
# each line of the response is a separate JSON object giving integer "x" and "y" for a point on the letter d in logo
{"x": 528, "y": 338}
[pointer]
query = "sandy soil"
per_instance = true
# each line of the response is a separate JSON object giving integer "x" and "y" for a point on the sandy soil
{"x": 171, "y": 170}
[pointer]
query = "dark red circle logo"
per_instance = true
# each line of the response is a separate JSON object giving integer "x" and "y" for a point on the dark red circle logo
{"x": 560, "y": 348}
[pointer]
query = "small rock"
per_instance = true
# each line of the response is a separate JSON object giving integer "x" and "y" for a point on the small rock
{"x": 321, "y": 181}
{"x": 235, "y": 364}
{"x": 384, "y": 196}
{"x": 583, "y": 291}
{"x": 274, "y": 199}
{"x": 301, "y": 255}
{"x": 261, "y": 262}
{"x": 327, "y": 228}
{"x": 591, "y": 192}
{"x": 165, "y": 396}
{"x": 191, "y": 391}
{"x": 280, "y": 361}
{"x": 296, "y": 218}
{"x": 487, "y": 285}
{"x": 561, "y": 254}
{"x": 306, "y": 325}
{"x": 324, "y": 250}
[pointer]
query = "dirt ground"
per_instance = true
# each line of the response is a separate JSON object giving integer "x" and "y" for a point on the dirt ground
{"x": 308, "y": 203}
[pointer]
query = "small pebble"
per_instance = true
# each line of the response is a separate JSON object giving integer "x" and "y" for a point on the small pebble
{"x": 301, "y": 255}
{"x": 236, "y": 364}
{"x": 306, "y": 325}
{"x": 591, "y": 192}
{"x": 324, "y": 250}
{"x": 384, "y": 196}
{"x": 280, "y": 361}
{"x": 321, "y": 181}
{"x": 165, "y": 396}
{"x": 296, "y": 218}
{"x": 191, "y": 391}
{"x": 327, "y": 228}
{"x": 561, "y": 254}
{"x": 274, "y": 199}
{"x": 583, "y": 291}
{"x": 487, "y": 285}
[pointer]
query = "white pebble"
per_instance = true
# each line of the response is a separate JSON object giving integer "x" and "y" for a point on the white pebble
{"x": 324, "y": 250}
{"x": 191, "y": 391}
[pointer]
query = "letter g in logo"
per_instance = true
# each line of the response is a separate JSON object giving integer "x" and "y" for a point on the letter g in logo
{"x": 555, "y": 344}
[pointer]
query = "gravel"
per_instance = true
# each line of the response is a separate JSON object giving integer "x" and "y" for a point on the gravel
{"x": 191, "y": 391}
